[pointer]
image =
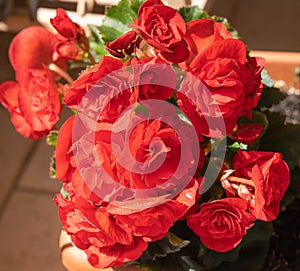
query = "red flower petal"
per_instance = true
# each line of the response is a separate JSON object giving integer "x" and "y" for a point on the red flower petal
{"x": 228, "y": 48}
{"x": 64, "y": 142}
{"x": 9, "y": 96}
{"x": 32, "y": 48}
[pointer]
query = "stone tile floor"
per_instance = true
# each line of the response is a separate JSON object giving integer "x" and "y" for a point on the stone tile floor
{"x": 29, "y": 224}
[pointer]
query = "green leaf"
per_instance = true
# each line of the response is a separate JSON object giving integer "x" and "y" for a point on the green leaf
{"x": 65, "y": 194}
{"x": 168, "y": 254}
{"x": 122, "y": 12}
{"x": 223, "y": 20}
{"x": 169, "y": 244}
{"x": 212, "y": 259}
{"x": 117, "y": 20}
{"x": 183, "y": 117}
{"x": 192, "y": 13}
{"x": 261, "y": 231}
{"x": 149, "y": 266}
{"x": 282, "y": 137}
{"x": 176, "y": 242}
{"x": 237, "y": 145}
{"x": 95, "y": 34}
{"x": 257, "y": 117}
{"x": 96, "y": 43}
{"x": 52, "y": 138}
{"x": 53, "y": 167}
{"x": 230, "y": 153}
{"x": 215, "y": 192}
{"x": 189, "y": 264}
{"x": 110, "y": 33}
{"x": 174, "y": 263}
{"x": 293, "y": 190}
{"x": 255, "y": 247}
{"x": 135, "y": 5}
{"x": 141, "y": 109}
{"x": 269, "y": 97}
{"x": 266, "y": 79}
{"x": 252, "y": 251}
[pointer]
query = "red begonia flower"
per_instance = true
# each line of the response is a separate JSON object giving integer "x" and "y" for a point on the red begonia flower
{"x": 65, "y": 26}
{"x": 221, "y": 224}
{"x": 32, "y": 48}
{"x": 33, "y": 103}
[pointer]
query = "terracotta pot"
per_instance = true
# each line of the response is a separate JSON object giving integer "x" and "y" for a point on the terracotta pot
{"x": 75, "y": 259}
{"x": 281, "y": 65}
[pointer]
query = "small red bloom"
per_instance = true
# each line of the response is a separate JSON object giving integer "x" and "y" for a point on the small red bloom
{"x": 33, "y": 103}
{"x": 163, "y": 28}
{"x": 247, "y": 132}
{"x": 221, "y": 224}
{"x": 65, "y": 26}
{"x": 270, "y": 178}
{"x": 123, "y": 45}
{"x": 223, "y": 70}
{"x": 67, "y": 50}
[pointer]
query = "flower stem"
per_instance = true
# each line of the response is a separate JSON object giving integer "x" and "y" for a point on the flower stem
{"x": 61, "y": 72}
{"x": 241, "y": 180}
{"x": 91, "y": 58}
{"x": 84, "y": 46}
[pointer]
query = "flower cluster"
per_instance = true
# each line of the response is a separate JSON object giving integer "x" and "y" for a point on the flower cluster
{"x": 150, "y": 115}
{"x": 33, "y": 100}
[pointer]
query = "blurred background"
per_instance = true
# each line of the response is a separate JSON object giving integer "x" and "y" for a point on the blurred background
{"x": 29, "y": 224}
